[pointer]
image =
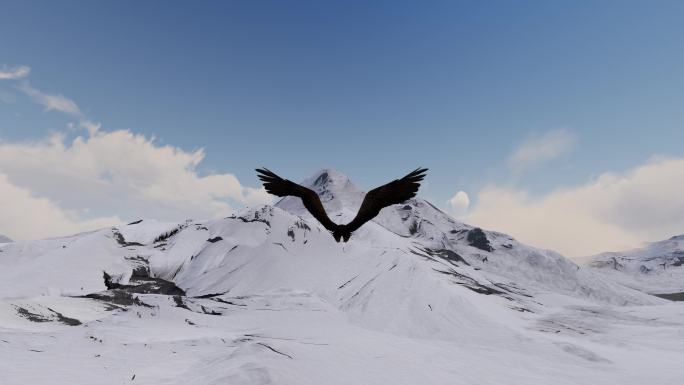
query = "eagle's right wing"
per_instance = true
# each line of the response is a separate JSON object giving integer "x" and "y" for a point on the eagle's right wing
{"x": 394, "y": 192}
{"x": 282, "y": 187}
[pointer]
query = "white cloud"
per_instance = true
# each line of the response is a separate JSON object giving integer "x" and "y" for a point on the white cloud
{"x": 52, "y": 102}
{"x": 118, "y": 173}
{"x": 61, "y": 187}
{"x": 59, "y": 103}
{"x": 613, "y": 212}
{"x": 540, "y": 149}
{"x": 27, "y": 216}
{"x": 459, "y": 203}
{"x": 14, "y": 73}
{"x": 91, "y": 127}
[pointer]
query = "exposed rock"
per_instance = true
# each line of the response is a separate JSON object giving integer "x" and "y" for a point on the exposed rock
{"x": 477, "y": 238}
{"x": 52, "y": 317}
{"x": 142, "y": 283}
{"x": 121, "y": 241}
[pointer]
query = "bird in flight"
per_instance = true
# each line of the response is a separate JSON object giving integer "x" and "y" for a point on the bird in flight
{"x": 394, "y": 192}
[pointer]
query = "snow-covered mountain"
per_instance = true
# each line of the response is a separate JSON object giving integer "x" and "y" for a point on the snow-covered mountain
{"x": 268, "y": 297}
{"x": 656, "y": 268}
{"x": 4, "y": 239}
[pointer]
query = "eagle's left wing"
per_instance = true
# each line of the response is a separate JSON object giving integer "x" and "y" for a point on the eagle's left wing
{"x": 282, "y": 187}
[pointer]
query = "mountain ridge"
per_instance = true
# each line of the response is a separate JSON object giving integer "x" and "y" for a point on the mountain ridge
{"x": 267, "y": 296}
{"x": 657, "y": 267}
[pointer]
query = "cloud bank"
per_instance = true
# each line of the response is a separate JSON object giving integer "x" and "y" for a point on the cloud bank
{"x": 26, "y": 216}
{"x": 56, "y": 187}
{"x": 111, "y": 172}
{"x": 615, "y": 211}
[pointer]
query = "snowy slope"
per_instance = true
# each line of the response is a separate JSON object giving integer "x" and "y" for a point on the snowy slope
{"x": 146, "y": 231}
{"x": 656, "y": 268}
{"x": 492, "y": 256}
{"x": 268, "y": 297}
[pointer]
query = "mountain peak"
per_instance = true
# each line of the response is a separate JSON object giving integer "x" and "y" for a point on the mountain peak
{"x": 334, "y": 188}
{"x": 329, "y": 180}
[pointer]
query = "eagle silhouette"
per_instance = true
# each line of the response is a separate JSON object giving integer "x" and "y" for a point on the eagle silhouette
{"x": 394, "y": 192}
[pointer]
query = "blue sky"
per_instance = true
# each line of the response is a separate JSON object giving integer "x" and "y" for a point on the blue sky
{"x": 373, "y": 89}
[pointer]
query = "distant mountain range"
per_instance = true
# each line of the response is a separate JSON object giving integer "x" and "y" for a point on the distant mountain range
{"x": 267, "y": 296}
{"x": 656, "y": 268}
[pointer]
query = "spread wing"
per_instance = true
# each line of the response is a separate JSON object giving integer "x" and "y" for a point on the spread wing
{"x": 282, "y": 187}
{"x": 394, "y": 192}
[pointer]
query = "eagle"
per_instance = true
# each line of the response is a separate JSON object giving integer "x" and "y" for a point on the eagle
{"x": 394, "y": 192}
